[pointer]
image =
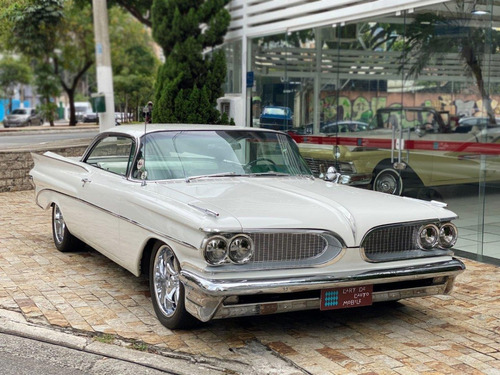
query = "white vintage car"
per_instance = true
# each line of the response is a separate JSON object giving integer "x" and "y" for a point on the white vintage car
{"x": 230, "y": 222}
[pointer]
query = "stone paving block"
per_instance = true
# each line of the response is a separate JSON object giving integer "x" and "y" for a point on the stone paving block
{"x": 85, "y": 291}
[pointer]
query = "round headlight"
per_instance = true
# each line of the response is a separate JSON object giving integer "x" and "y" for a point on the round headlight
{"x": 216, "y": 250}
{"x": 428, "y": 236}
{"x": 241, "y": 249}
{"x": 448, "y": 235}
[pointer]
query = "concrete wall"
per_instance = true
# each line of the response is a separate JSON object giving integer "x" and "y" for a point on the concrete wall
{"x": 15, "y": 165}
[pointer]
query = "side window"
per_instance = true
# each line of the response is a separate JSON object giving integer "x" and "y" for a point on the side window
{"x": 113, "y": 153}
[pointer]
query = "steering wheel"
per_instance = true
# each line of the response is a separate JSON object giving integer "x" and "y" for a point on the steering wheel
{"x": 252, "y": 163}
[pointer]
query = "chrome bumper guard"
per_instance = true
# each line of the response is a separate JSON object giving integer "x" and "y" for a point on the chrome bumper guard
{"x": 357, "y": 179}
{"x": 209, "y": 299}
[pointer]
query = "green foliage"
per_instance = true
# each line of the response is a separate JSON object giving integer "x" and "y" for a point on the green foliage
{"x": 134, "y": 62}
{"x": 13, "y": 72}
{"x": 34, "y": 26}
{"x": 54, "y": 32}
{"x": 432, "y": 34}
{"x": 48, "y": 85}
{"x": 189, "y": 83}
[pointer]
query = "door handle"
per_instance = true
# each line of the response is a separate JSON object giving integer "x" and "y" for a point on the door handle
{"x": 85, "y": 180}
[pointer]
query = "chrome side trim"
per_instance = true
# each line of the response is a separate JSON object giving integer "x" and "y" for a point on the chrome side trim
{"x": 133, "y": 222}
{"x": 217, "y": 287}
{"x": 204, "y": 210}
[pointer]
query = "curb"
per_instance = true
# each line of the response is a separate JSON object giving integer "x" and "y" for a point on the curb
{"x": 13, "y": 323}
{"x": 44, "y": 129}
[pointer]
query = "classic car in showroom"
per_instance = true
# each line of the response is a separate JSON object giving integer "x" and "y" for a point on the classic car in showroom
{"x": 230, "y": 222}
{"x": 395, "y": 168}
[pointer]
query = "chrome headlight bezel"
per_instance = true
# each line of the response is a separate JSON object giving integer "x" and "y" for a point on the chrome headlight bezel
{"x": 442, "y": 235}
{"x": 448, "y": 235}
{"x": 428, "y": 236}
{"x": 345, "y": 167}
{"x": 241, "y": 249}
{"x": 212, "y": 245}
{"x": 237, "y": 248}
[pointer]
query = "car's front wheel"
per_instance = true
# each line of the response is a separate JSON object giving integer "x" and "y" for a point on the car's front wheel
{"x": 388, "y": 181}
{"x": 167, "y": 291}
{"x": 63, "y": 239}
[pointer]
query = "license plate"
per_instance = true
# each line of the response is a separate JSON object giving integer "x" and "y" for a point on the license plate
{"x": 341, "y": 298}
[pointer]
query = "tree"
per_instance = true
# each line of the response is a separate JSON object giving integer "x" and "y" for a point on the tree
{"x": 189, "y": 83}
{"x": 139, "y": 9}
{"x": 54, "y": 33}
{"x": 48, "y": 86}
{"x": 134, "y": 62}
{"x": 432, "y": 34}
{"x": 13, "y": 72}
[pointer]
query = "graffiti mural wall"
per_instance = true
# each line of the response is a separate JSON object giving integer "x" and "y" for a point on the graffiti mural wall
{"x": 362, "y": 106}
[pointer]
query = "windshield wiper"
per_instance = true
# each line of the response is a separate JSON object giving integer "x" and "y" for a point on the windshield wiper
{"x": 269, "y": 174}
{"x": 223, "y": 174}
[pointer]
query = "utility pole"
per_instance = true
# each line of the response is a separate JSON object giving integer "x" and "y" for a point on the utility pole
{"x": 103, "y": 65}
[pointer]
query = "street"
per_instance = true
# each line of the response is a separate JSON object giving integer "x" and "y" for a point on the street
{"x": 42, "y": 137}
{"x": 22, "y": 356}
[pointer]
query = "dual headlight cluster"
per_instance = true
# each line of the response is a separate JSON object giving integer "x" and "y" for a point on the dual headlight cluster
{"x": 432, "y": 235}
{"x": 237, "y": 249}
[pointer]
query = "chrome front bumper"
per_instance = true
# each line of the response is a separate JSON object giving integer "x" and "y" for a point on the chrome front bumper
{"x": 209, "y": 299}
{"x": 355, "y": 179}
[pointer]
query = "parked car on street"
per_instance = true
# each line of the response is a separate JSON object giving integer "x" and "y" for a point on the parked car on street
{"x": 277, "y": 118}
{"x": 229, "y": 222}
{"x": 90, "y": 117}
{"x": 23, "y": 117}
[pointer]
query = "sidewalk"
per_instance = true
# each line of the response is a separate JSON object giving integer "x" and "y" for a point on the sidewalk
{"x": 85, "y": 295}
{"x": 58, "y": 126}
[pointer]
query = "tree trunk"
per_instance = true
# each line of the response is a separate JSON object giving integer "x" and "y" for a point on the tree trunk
{"x": 475, "y": 67}
{"x": 72, "y": 112}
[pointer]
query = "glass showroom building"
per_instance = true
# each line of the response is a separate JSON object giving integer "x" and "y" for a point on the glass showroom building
{"x": 403, "y": 96}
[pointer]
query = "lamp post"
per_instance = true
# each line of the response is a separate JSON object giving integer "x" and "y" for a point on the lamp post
{"x": 103, "y": 65}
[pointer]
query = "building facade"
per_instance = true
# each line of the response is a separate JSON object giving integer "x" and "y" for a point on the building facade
{"x": 406, "y": 91}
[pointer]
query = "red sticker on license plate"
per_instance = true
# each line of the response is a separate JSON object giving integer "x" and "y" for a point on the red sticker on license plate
{"x": 341, "y": 298}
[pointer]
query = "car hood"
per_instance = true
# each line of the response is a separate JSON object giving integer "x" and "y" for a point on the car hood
{"x": 298, "y": 203}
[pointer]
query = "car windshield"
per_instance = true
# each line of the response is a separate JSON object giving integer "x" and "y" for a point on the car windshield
{"x": 196, "y": 154}
{"x": 19, "y": 112}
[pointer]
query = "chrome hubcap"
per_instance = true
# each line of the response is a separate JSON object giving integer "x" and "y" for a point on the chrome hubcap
{"x": 387, "y": 184}
{"x": 166, "y": 281}
{"x": 59, "y": 224}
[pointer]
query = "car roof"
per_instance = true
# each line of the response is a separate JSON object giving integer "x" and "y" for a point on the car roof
{"x": 139, "y": 129}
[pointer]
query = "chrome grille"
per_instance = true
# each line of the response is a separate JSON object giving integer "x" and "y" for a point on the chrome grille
{"x": 395, "y": 242}
{"x": 314, "y": 165}
{"x": 287, "y": 247}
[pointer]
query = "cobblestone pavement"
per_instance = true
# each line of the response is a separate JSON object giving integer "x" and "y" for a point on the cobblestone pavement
{"x": 88, "y": 293}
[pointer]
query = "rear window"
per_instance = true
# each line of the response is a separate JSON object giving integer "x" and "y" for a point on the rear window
{"x": 274, "y": 111}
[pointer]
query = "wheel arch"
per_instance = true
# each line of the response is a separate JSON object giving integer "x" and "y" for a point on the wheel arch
{"x": 410, "y": 178}
{"x": 146, "y": 255}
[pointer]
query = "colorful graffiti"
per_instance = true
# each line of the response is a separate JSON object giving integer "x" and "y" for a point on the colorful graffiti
{"x": 362, "y": 107}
